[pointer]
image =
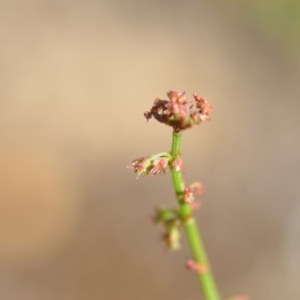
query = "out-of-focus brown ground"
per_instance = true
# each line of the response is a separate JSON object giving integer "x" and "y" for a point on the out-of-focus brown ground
{"x": 75, "y": 79}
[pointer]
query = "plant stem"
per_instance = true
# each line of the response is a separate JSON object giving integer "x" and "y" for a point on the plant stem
{"x": 199, "y": 255}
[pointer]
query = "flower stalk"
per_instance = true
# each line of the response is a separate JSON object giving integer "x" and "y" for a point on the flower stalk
{"x": 199, "y": 255}
{"x": 180, "y": 114}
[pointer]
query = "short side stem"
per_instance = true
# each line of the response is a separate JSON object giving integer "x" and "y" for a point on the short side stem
{"x": 199, "y": 255}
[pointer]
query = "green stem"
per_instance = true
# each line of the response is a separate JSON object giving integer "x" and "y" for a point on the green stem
{"x": 199, "y": 255}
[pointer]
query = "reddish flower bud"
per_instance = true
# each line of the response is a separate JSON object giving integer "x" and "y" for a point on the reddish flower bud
{"x": 178, "y": 164}
{"x": 199, "y": 268}
{"x": 197, "y": 186}
{"x": 189, "y": 190}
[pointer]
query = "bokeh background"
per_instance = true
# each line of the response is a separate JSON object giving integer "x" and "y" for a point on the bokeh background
{"x": 76, "y": 77}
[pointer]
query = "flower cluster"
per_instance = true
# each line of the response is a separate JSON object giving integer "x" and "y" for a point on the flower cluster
{"x": 178, "y": 112}
{"x": 151, "y": 165}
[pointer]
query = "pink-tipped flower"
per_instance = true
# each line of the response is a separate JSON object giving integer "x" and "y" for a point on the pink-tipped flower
{"x": 199, "y": 268}
{"x": 204, "y": 107}
{"x": 189, "y": 192}
{"x": 159, "y": 166}
{"x": 197, "y": 187}
{"x": 188, "y": 195}
{"x": 178, "y": 111}
{"x": 154, "y": 164}
{"x": 178, "y": 164}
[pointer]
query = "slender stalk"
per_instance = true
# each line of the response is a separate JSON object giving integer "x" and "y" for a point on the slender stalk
{"x": 199, "y": 255}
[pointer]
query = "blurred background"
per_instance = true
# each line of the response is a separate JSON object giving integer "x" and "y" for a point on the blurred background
{"x": 76, "y": 78}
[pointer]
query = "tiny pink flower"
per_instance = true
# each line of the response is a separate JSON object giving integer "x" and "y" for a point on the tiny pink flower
{"x": 203, "y": 106}
{"x": 189, "y": 190}
{"x": 159, "y": 166}
{"x": 199, "y": 268}
{"x": 197, "y": 186}
{"x": 178, "y": 164}
{"x": 188, "y": 195}
{"x": 154, "y": 164}
{"x": 138, "y": 166}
